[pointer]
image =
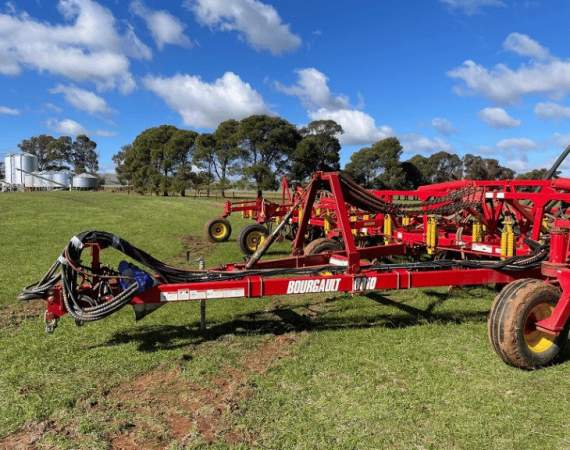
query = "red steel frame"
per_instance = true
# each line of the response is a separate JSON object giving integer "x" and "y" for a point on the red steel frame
{"x": 359, "y": 275}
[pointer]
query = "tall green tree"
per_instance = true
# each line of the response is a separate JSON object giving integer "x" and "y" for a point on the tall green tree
{"x": 439, "y": 167}
{"x": 478, "y": 168}
{"x": 219, "y": 153}
{"x": 83, "y": 155}
{"x": 319, "y": 149}
{"x": 268, "y": 144}
{"x": 378, "y": 166}
{"x": 158, "y": 160}
{"x": 205, "y": 157}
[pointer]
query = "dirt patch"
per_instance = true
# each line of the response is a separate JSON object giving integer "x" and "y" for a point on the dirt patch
{"x": 26, "y": 438}
{"x": 189, "y": 411}
{"x": 13, "y": 315}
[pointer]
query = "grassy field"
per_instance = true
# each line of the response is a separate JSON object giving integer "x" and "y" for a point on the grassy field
{"x": 392, "y": 370}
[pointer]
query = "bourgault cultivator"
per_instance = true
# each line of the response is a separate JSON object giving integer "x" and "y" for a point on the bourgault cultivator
{"x": 511, "y": 233}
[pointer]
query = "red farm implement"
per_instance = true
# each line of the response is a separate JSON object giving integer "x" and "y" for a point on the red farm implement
{"x": 512, "y": 233}
{"x": 264, "y": 212}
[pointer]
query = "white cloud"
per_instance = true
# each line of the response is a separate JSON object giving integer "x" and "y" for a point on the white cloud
{"x": 498, "y": 118}
{"x": 82, "y": 99}
{"x": 312, "y": 89}
{"x": 9, "y": 111}
{"x": 66, "y": 127}
{"x": 549, "y": 110}
{"x": 205, "y": 105}
{"x": 86, "y": 47}
{"x": 505, "y": 85}
{"x": 517, "y": 144}
{"x": 415, "y": 143}
{"x": 470, "y": 7}
{"x": 359, "y": 127}
{"x": 164, "y": 27}
{"x": 525, "y": 46}
{"x": 256, "y": 22}
{"x": 443, "y": 125}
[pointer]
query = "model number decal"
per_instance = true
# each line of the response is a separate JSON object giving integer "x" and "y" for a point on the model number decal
{"x": 364, "y": 284}
{"x": 313, "y": 286}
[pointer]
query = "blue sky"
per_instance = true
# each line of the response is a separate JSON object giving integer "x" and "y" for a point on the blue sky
{"x": 489, "y": 77}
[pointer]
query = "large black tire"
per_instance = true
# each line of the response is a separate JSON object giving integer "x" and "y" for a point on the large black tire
{"x": 511, "y": 321}
{"x": 250, "y": 237}
{"x": 218, "y": 230}
{"x": 322, "y": 245}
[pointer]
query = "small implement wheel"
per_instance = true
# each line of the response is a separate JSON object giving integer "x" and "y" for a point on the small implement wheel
{"x": 218, "y": 230}
{"x": 322, "y": 245}
{"x": 251, "y": 237}
{"x": 512, "y": 324}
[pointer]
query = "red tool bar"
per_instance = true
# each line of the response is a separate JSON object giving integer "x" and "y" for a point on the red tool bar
{"x": 259, "y": 286}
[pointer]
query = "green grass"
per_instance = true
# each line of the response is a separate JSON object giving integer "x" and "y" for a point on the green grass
{"x": 409, "y": 369}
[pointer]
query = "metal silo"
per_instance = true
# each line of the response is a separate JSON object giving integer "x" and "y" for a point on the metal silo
{"x": 62, "y": 179}
{"x": 84, "y": 181}
{"x": 16, "y": 167}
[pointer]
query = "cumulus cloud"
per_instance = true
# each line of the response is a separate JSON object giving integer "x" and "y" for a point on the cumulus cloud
{"x": 66, "y": 127}
{"x": 443, "y": 125}
{"x": 416, "y": 143}
{"x": 86, "y": 47}
{"x": 359, "y": 127}
{"x": 82, "y": 99}
{"x": 550, "y": 110}
{"x": 205, "y": 105}
{"x": 470, "y": 7}
{"x": 498, "y": 118}
{"x": 257, "y": 23}
{"x": 502, "y": 84}
{"x": 9, "y": 111}
{"x": 313, "y": 91}
{"x": 525, "y": 46}
{"x": 164, "y": 27}
{"x": 517, "y": 144}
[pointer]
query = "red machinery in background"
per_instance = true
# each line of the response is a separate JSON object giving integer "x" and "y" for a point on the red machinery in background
{"x": 264, "y": 212}
{"x": 512, "y": 233}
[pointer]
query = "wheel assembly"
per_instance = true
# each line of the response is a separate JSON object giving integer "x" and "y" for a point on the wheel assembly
{"x": 512, "y": 324}
{"x": 251, "y": 237}
{"x": 218, "y": 230}
{"x": 322, "y": 245}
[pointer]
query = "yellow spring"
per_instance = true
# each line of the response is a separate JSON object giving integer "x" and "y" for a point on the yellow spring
{"x": 326, "y": 223}
{"x": 405, "y": 221}
{"x": 431, "y": 235}
{"x": 507, "y": 240}
{"x": 387, "y": 228}
{"x": 477, "y": 232}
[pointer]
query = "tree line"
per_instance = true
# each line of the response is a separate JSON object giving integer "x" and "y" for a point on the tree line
{"x": 258, "y": 150}
{"x": 63, "y": 153}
